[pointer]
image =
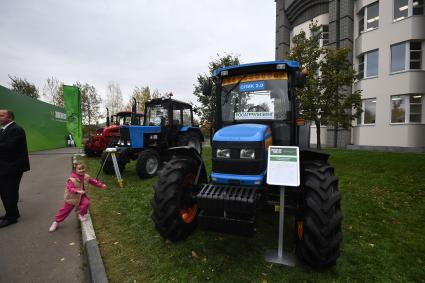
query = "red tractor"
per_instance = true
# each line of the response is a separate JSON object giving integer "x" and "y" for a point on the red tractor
{"x": 109, "y": 135}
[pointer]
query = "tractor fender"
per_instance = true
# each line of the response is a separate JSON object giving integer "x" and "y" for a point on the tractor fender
{"x": 311, "y": 154}
{"x": 186, "y": 151}
{"x": 193, "y": 129}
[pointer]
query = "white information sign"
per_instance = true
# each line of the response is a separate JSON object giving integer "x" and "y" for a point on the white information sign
{"x": 283, "y": 166}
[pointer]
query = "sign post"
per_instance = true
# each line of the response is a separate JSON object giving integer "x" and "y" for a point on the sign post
{"x": 283, "y": 169}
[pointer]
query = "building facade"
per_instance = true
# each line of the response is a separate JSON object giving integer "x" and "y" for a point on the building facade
{"x": 387, "y": 39}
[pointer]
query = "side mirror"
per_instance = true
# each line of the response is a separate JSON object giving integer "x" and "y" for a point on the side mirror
{"x": 207, "y": 87}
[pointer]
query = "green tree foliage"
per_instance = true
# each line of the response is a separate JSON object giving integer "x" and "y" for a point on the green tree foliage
{"x": 208, "y": 103}
{"x": 337, "y": 77}
{"x": 53, "y": 91}
{"x": 142, "y": 95}
{"x": 326, "y": 99}
{"x": 22, "y": 86}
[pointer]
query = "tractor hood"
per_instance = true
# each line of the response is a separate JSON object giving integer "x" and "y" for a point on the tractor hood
{"x": 241, "y": 132}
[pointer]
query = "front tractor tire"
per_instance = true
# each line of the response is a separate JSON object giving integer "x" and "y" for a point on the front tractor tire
{"x": 148, "y": 163}
{"x": 174, "y": 207}
{"x": 319, "y": 228}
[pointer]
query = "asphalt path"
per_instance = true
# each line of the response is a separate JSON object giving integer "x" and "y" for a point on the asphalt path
{"x": 28, "y": 252}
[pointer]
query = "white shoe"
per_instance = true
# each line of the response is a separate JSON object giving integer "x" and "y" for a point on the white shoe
{"x": 54, "y": 226}
{"x": 82, "y": 217}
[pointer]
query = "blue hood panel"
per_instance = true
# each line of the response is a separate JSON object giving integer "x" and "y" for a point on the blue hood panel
{"x": 241, "y": 132}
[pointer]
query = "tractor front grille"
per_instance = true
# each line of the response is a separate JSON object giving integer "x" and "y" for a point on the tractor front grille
{"x": 228, "y": 209}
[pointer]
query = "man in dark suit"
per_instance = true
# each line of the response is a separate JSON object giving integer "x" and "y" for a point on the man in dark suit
{"x": 13, "y": 163}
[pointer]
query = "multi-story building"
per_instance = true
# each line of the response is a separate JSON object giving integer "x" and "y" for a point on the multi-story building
{"x": 387, "y": 39}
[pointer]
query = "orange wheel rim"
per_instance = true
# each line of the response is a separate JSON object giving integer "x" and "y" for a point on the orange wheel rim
{"x": 188, "y": 214}
{"x": 300, "y": 229}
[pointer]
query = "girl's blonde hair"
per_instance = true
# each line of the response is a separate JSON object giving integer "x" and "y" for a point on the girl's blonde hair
{"x": 77, "y": 163}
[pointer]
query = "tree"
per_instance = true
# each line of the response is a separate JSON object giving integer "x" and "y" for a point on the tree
{"x": 53, "y": 91}
{"x": 326, "y": 99}
{"x": 308, "y": 53}
{"x": 142, "y": 95}
{"x": 337, "y": 77}
{"x": 208, "y": 103}
{"x": 114, "y": 100}
{"x": 22, "y": 86}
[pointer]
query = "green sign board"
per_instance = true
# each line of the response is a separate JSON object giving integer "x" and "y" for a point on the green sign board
{"x": 72, "y": 102}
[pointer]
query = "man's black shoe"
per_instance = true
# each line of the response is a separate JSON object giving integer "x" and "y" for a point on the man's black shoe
{"x": 7, "y": 222}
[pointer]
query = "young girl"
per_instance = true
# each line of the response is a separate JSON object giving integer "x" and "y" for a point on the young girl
{"x": 75, "y": 194}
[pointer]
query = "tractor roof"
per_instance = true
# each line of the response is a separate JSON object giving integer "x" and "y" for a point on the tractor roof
{"x": 257, "y": 67}
{"x": 168, "y": 100}
{"x": 128, "y": 113}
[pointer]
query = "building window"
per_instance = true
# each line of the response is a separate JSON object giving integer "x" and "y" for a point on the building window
{"x": 406, "y": 54}
{"x": 407, "y": 8}
{"x": 415, "y": 54}
{"x": 406, "y": 108}
{"x": 325, "y": 35}
{"x": 369, "y": 106}
{"x": 415, "y": 113}
{"x": 368, "y": 64}
{"x": 369, "y": 17}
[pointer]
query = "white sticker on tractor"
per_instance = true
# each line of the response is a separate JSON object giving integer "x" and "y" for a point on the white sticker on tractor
{"x": 254, "y": 115}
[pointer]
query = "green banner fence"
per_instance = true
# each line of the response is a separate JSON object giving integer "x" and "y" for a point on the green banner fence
{"x": 44, "y": 124}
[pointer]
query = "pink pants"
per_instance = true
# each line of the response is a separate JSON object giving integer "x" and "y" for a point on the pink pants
{"x": 67, "y": 208}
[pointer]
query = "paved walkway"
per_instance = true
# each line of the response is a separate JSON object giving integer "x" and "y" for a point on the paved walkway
{"x": 28, "y": 252}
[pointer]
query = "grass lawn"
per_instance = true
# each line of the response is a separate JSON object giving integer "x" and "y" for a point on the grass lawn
{"x": 383, "y": 202}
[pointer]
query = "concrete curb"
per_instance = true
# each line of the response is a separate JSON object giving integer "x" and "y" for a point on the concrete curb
{"x": 94, "y": 259}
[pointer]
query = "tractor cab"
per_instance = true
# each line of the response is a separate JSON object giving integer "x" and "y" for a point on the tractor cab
{"x": 256, "y": 108}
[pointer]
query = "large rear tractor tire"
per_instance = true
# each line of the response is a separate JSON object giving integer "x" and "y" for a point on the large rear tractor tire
{"x": 148, "y": 163}
{"x": 108, "y": 167}
{"x": 319, "y": 229}
{"x": 190, "y": 139}
{"x": 174, "y": 207}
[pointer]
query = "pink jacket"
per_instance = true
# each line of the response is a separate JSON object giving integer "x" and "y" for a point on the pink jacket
{"x": 92, "y": 181}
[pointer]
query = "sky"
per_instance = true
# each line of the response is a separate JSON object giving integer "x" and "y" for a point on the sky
{"x": 161, "y": 44}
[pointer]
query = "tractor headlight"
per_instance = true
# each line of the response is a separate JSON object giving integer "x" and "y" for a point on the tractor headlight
{"x": 247, "y": 153}
{"x": 120, "y": 142}
{"x": 223, "y": 153}
{"x": 128, "y": 143}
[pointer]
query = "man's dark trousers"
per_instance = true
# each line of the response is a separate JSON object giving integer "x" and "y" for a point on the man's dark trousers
{"x": 9, "y": 192}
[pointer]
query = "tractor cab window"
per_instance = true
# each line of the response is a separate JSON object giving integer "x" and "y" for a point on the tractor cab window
{"x": 124, "y": 120}
{"x": 255, "y": 97}
{"x": 177, "y": 121}
{"x": 156, "y": 115}
{"x": 182, "y": 115}
{"x": 187, "y": 117}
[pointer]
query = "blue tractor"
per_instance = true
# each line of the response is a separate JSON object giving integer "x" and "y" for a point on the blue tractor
{"x": 256, "y": 107}
{"x": 167, "y": 123}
